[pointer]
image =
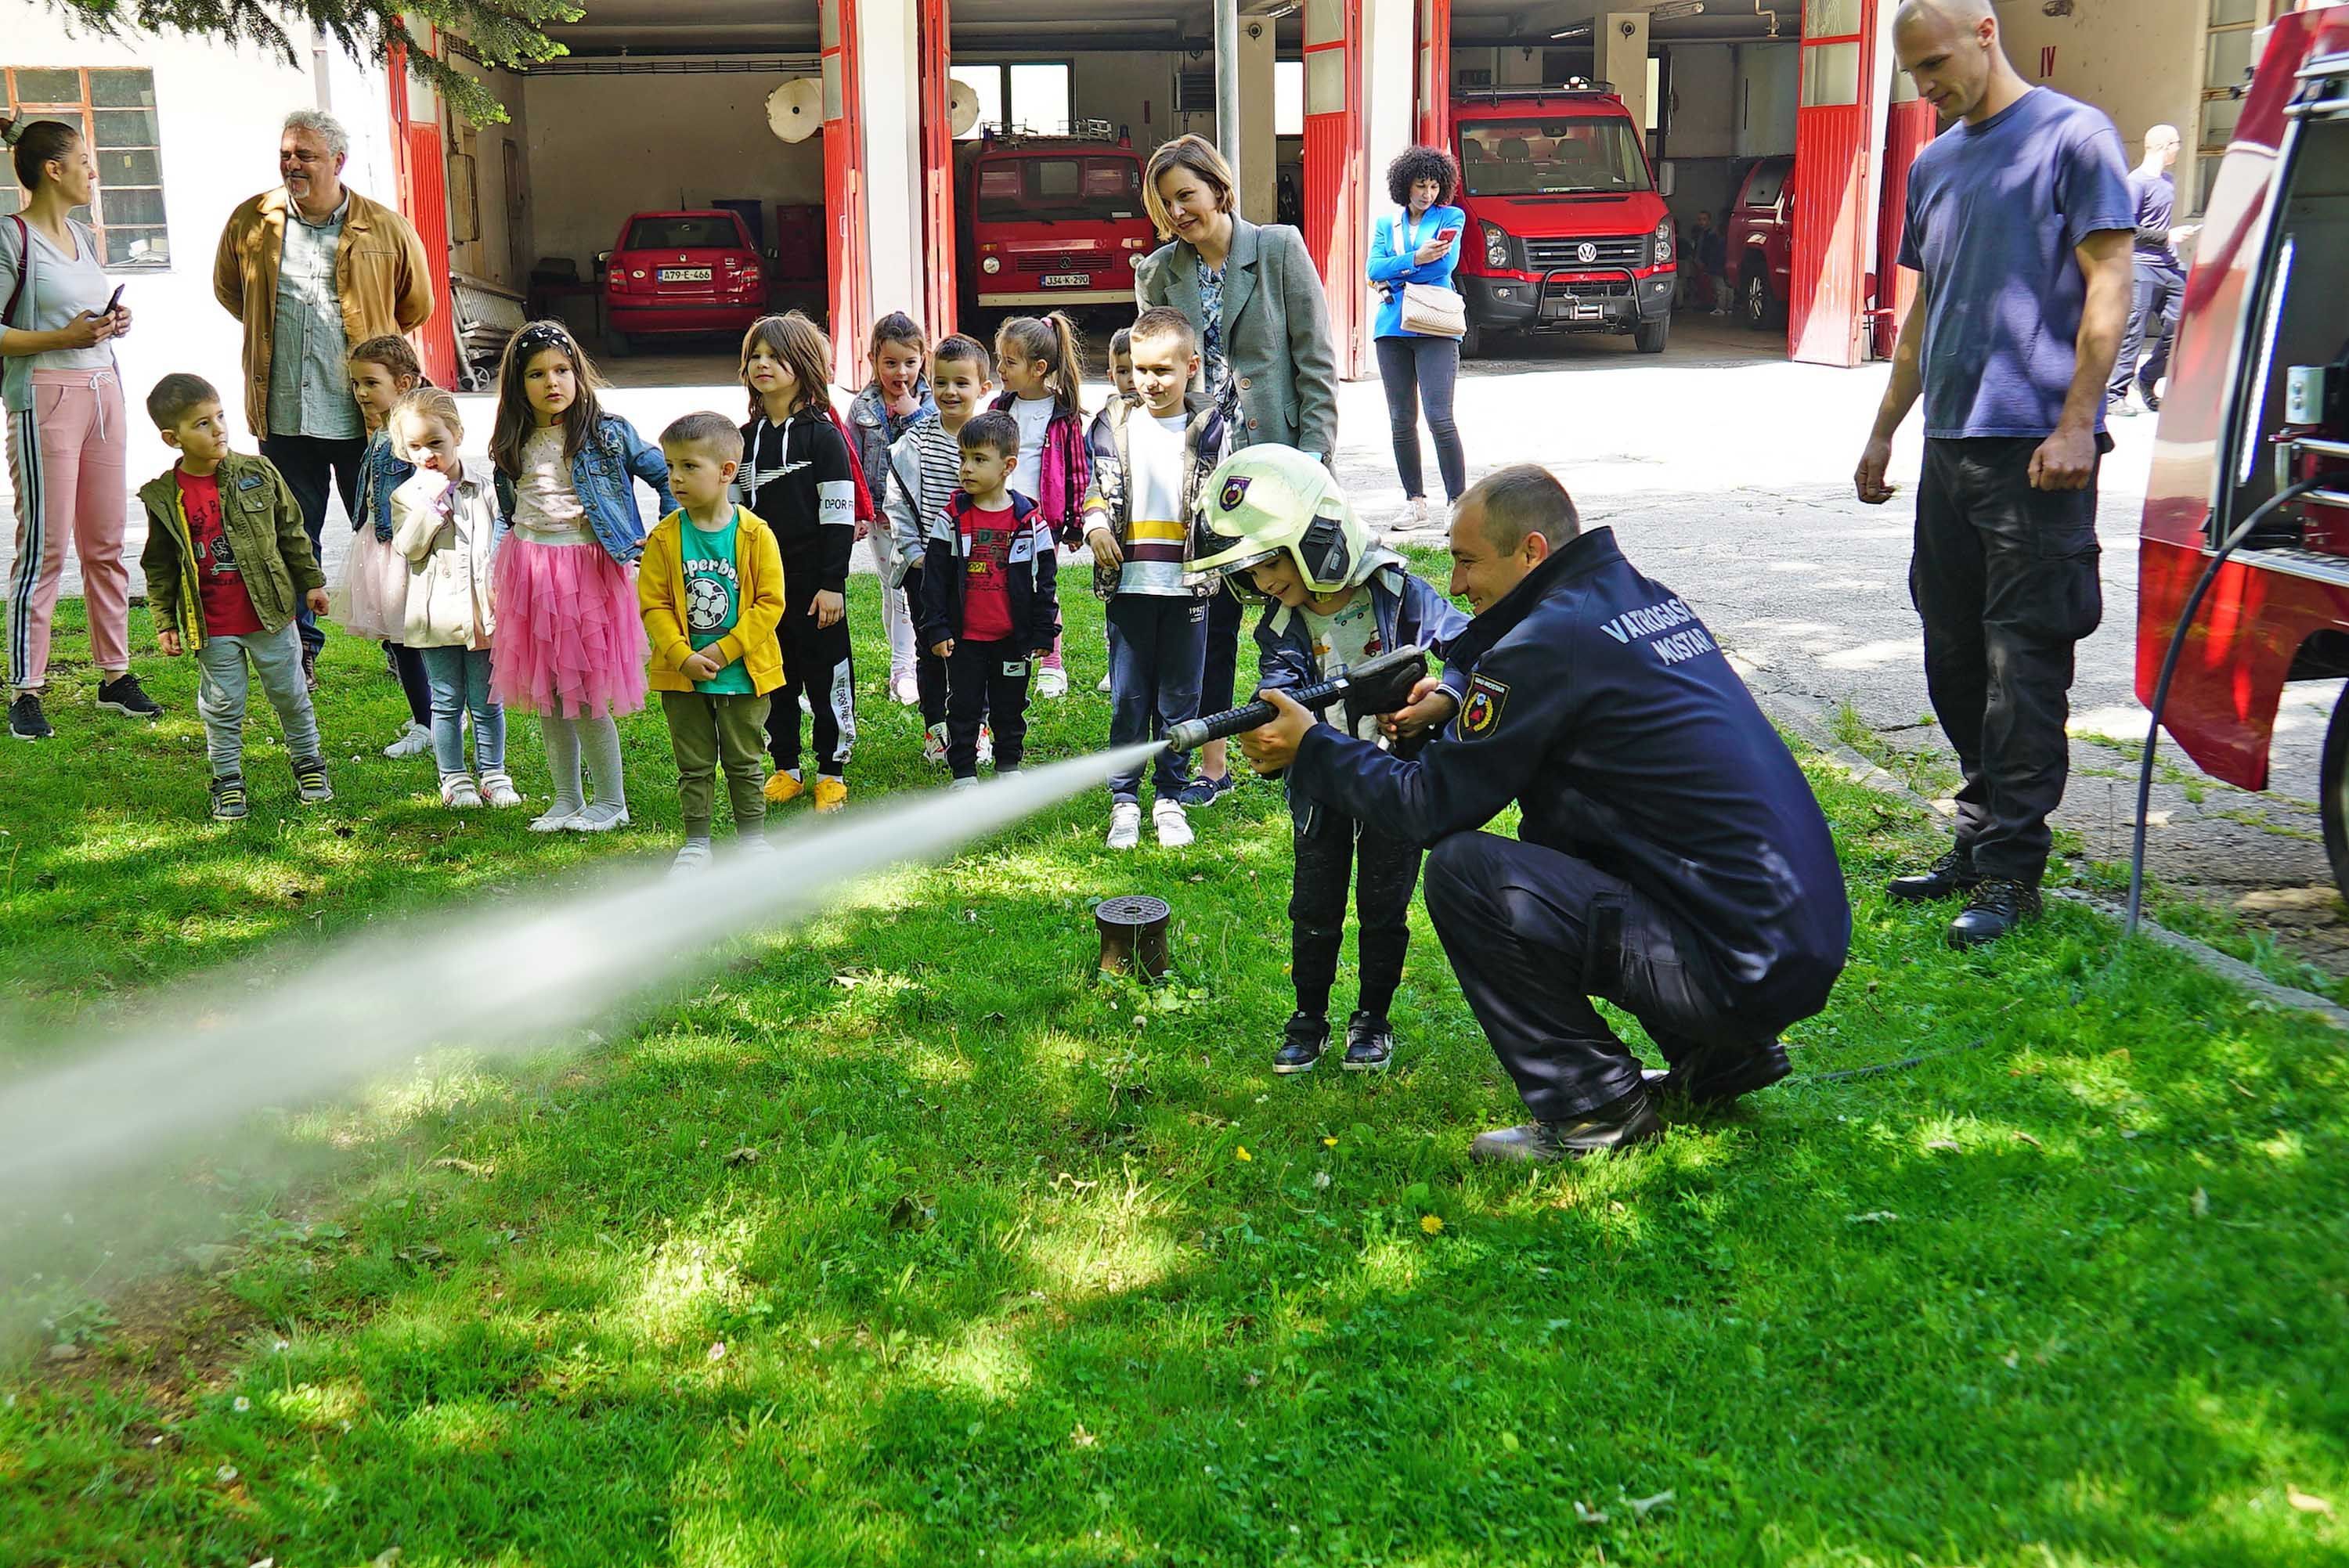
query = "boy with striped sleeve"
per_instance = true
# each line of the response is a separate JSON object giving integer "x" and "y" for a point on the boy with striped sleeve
{"x": 1149, "y": 458}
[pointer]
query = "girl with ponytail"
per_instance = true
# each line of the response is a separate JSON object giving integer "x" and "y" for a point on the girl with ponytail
{"x": 1043, "y": 375}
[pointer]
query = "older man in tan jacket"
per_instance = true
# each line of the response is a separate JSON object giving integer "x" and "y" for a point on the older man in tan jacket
{"x": 313, "y": 268}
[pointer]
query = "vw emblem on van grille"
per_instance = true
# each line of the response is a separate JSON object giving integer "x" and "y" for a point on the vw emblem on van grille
{"x": 1586, "y": 251}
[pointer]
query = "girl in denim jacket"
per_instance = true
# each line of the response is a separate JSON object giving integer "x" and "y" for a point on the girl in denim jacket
{"x": 570, "y": 643}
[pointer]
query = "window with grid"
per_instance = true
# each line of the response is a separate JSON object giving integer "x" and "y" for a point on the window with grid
{"x": 2226, "y": 55}
{"x": 115, "y": 112}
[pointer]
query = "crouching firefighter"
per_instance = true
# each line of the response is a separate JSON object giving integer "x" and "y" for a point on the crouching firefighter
{"x": 1278, "y": 528}
{"x": 1671, "y": 859}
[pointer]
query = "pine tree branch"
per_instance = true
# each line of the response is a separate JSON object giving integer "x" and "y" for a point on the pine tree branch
{"x": 500, "y": 33}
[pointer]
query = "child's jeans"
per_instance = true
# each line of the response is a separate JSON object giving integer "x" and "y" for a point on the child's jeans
{"x": 1157, "y": 650}
{"x": 987, "y": 680}
{"x": 714, "y": 731}
{"x": 1327, "y": 855}
{"x": 222, "y": 688}
{"x": 460, "y": 679}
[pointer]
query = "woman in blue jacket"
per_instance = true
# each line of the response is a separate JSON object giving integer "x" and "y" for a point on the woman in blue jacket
{"x": 1419, "y": 242}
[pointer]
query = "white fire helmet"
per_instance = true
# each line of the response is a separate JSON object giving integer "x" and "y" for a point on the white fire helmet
{"x": 1263, "y": 501}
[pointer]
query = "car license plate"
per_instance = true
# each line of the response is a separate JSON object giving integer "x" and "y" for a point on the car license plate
{"x": 685, "y": 274}
{"x": 1067, "y": 280}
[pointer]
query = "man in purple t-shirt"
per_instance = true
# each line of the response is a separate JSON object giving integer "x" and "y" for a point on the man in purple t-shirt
{"x": 2020, "y": 220}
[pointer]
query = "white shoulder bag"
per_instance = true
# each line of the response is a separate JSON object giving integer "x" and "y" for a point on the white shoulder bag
{"x": 1430, "y": 309}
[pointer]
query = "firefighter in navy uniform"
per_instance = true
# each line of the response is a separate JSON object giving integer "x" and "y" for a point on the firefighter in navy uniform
{"x": 1671, "y": 858}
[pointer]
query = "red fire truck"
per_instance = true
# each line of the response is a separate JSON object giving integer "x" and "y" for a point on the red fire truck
{"x": 1567, "y": 232}
{"x": 1049, "y": 222}
{"x": 2254, "y": 433}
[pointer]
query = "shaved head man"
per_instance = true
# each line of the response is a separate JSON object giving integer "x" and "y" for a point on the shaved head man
{"x": 2019, "y": 223}
{"x": 2158, "y": 280}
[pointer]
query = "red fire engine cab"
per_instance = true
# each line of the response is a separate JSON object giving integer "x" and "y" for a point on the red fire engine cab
{"x": 1049, "y": 222}
{"x": 2255, "y": 433}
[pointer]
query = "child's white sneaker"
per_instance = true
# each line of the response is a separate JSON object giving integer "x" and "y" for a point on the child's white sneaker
{"x": 692, "y": 859}
{"x": 934, "y": 744}
{"x": 413, "y": 741}
{"x": 600, "y": 818}
{"x": 905, "y": 689}
{"x": 498, "y": 790}
{"x": 964, "y": 784}
{"x": 753, "y": 845}
{"x": 556, "y": 817}
{"x": 458, "y": 793}
{"x": 1051, "y": 682}
{"x": 1104, "y": 688}
{"x": 1173, "y": 827}
{"x": 1124, "y": 825}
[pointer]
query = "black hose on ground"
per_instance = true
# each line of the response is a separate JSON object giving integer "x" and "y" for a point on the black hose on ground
{"x": 2161, "y": 688}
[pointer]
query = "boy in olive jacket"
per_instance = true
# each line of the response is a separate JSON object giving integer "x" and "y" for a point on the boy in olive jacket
{"x": 228, "y": 565}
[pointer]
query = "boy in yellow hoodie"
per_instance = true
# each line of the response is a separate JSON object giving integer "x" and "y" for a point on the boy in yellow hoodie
{"x": 712, "y": 589}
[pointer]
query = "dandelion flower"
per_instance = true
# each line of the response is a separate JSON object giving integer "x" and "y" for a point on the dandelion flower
{"x": 243, "y": 1404}
{"x": 1329, "y": 1143}
{"x": 1430, "y": 1224}
{"x": 1242, "y": 1155}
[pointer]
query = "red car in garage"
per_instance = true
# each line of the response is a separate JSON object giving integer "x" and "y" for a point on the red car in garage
{"x": 1762, "y": 243}
{"x": 679, "y": 273}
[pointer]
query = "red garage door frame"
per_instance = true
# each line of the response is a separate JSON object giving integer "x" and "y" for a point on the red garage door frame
{"x": 1836, "y": 128}
{"x": 934, "y": 40}
{"x": 847, "y": 238}
{"x": 423, "y": 195}
{"x": 1335, "y": 152}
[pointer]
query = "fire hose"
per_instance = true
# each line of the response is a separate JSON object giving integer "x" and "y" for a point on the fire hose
{"x": 2169, "y": 668}
{"x": 1376, "y": 686}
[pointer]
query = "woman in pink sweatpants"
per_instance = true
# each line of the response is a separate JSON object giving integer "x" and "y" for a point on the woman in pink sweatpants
{"x": 67, "y": 437}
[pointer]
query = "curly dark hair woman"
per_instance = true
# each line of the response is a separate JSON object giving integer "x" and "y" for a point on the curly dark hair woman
{"x": 1413, "y": 164}
{"x": 1416, "y": 245}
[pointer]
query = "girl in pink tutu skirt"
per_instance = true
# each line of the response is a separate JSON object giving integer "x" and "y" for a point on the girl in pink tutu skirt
{"x": 570, "y": 641}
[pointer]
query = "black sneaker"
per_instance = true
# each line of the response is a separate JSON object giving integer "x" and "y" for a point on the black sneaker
{"x": 2152, "y": 398}
{"x": 309, "y": 667}
{"x": 310, "y": 786}
{"x": 1999, "y": 904}
{"x": 123, "y": 694}
{"x": 1715, "y": 1075}
{"x": 1950, "y": 875}
{"x": 1302, "y": 1043}
{"x": 1617, "y": 1124}
{"x": 1370, "y": 1043}
{"x": 1205, "y": 792}
{"x": 25, "y": 720}
{"x": 228, "y": 799}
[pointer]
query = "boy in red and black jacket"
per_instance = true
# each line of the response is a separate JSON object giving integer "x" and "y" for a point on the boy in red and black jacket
{"x": 989, "y": 607}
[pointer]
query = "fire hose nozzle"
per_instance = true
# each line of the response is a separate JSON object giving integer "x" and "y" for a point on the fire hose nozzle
{"x": 1376, "y": 686}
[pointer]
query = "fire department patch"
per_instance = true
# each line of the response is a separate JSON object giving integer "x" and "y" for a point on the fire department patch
{"x": 1481, "y": 714}
{"x": 1235, "y": 491}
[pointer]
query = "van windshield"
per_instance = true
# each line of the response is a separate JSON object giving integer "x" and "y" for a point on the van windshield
{"x": 1553, "y": 155}
{"x": 1053, "y": 190}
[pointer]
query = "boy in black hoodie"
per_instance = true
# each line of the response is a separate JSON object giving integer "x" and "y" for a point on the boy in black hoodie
{"x": 989, "y": 607}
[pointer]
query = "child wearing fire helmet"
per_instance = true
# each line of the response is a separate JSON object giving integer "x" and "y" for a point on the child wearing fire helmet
{"x": 1276, "y": 526}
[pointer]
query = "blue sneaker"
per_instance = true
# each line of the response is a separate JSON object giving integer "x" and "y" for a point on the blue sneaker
{"x": 1205, "y": 792}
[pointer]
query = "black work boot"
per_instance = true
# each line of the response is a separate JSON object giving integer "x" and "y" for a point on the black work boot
{"x": 1999, "y": 904}
{"x": 1370, "y": 1043}
{"x": 1616, "y": 1125}
{"x": 309, "y": 667}
{"x": 1952, "y": 874}
{"x": 1302, "y": 1043}
{"x": 1715, "y": 1075}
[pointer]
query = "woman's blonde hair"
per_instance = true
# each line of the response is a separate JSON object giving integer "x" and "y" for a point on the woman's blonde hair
{"x": 1198, "y": 155}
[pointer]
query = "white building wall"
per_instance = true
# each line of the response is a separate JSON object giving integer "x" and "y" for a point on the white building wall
{"x": 219, "y": 111}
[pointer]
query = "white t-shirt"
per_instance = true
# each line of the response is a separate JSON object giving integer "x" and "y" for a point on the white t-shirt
{"x": 1154, "y": 526}
{"x": 1345, "y": 640}
{"x": 63, "y": 287}
{"x": 1035, "y": 416}
{"x": 547, "y": 511}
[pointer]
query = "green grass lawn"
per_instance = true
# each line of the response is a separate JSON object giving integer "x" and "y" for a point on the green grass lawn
{"x": 1026, "y": 1269}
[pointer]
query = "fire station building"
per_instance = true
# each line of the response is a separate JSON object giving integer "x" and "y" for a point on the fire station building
{"x": 659, "y": 105}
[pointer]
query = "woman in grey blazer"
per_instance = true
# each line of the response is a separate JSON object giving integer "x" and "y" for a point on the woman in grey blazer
{"x": 1252, "y": 293}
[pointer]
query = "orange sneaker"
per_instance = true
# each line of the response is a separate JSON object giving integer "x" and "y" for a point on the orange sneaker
{"x": 831, "y": 794}
{"x": 783, "y": 787}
